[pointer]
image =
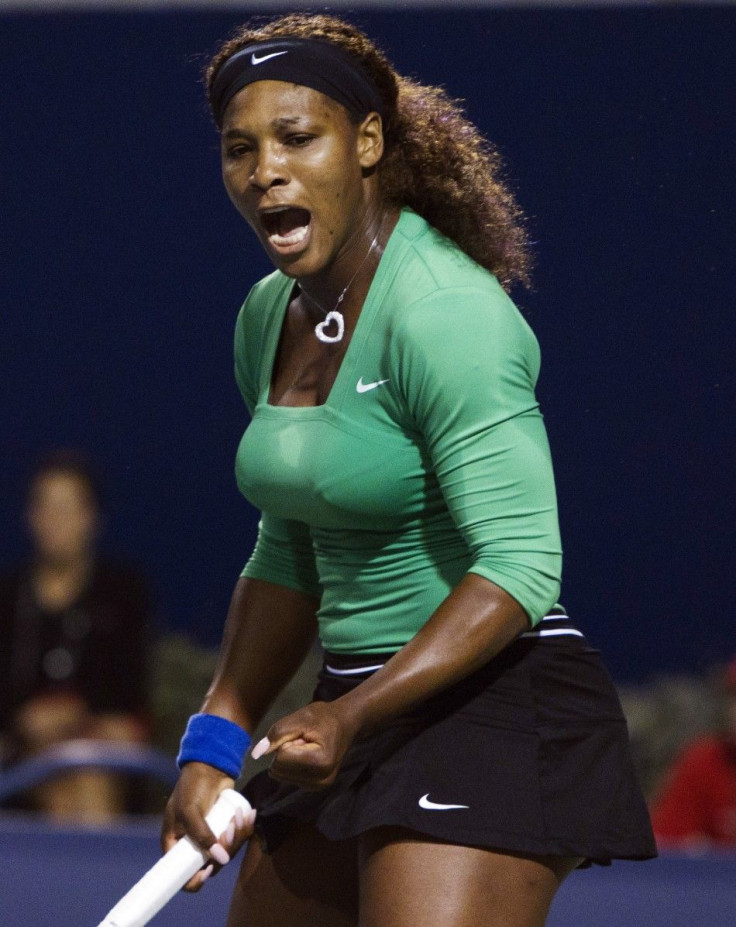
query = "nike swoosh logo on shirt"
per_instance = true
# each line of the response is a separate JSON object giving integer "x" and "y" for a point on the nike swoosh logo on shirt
{"x": 428, "y": 805}
{"x": 256, "y": 59}
{"x": 362, "y": 387}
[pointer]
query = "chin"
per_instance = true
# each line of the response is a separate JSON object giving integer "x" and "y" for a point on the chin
{"x": 300, "y": 266}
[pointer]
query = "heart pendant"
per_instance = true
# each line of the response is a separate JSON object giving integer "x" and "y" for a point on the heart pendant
{"x": 320, "y": 329}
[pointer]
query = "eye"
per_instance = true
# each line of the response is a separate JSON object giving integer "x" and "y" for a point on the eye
{"x": 238, "y": 150}
{"x": 299, "y": 140}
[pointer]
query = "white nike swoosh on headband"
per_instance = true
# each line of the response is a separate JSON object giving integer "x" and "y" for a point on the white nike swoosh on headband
{"x": 254, "y": 59}
{"x": 428, "y": 805}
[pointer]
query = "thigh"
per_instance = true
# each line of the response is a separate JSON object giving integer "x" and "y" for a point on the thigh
{"x": 407, "y": 879}
{"x": 308, "y": 881}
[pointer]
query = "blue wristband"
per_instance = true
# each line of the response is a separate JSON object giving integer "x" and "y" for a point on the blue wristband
{"x": 215, "y": 741}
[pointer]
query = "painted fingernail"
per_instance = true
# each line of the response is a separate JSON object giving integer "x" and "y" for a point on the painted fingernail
{"x": 260, "y": 748}
{"x": 239, "y": 817}
{"x": 229, "y": 834}
{"x": 206, "y": 873}
{"x": 219, "y": 854}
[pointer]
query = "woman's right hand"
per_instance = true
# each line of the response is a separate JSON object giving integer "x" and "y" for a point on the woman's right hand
{"x": 268, "y": 632}
{"x": 194, "y": 795}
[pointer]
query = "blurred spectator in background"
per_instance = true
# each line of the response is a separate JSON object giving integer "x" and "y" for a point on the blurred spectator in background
{"x": 696, "y": 807}
{"x": 73, "y": 634}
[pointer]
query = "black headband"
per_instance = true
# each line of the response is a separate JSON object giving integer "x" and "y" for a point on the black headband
{"x": 308, "y": 62}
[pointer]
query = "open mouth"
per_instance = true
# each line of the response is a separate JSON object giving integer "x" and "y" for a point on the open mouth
{"x": 286, "y": 226}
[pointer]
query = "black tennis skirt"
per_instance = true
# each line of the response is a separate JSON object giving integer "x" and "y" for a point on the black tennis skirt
{"x": 530, "y": 754}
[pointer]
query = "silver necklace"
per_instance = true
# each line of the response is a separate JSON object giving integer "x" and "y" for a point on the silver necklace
{"x": 320, "y": 330}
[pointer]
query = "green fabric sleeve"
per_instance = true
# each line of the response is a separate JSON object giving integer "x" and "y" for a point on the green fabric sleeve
{"x": 467, "y": 364}
{"x": 284, "y": 555}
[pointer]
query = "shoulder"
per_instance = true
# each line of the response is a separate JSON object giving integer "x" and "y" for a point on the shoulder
{"x": 430, "y": 262}
{"x": 467, "y": 328}
{"x": 440, "y": 292}
{"x": 262, "y": 303}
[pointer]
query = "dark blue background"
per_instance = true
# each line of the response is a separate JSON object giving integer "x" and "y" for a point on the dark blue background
{"x": 123, "y": 265}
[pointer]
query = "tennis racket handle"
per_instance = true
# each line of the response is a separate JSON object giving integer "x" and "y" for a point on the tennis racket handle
{"x": 175, "y": 868}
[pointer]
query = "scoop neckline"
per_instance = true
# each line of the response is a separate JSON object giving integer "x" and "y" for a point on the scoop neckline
{"x": 359, "y": 336}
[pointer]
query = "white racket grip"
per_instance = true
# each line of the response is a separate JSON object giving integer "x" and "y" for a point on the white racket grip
{"x": 175, "y": 868}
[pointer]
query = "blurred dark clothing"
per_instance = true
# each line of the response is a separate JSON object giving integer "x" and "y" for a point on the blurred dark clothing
{"x": 94, "y": 649}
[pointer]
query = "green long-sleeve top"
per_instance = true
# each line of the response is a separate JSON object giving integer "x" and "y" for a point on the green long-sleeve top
{"x": 428, "y": 460}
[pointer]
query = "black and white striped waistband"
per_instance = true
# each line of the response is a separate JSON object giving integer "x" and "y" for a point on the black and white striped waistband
{"x": 337, "y": 664}
{"x": 556, "y": 624}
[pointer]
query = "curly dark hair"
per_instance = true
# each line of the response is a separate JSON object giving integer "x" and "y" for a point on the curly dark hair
{"x": 436, "y": 161}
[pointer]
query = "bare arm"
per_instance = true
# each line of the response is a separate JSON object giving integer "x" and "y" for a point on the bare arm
{"x": 268, "y": 632}
{"x": 474, "y": 623}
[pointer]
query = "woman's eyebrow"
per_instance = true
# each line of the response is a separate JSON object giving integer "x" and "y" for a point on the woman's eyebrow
{"x": 282, "y": 122}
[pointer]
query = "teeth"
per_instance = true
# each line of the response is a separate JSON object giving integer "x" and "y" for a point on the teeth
{"x": 283, "y": 241}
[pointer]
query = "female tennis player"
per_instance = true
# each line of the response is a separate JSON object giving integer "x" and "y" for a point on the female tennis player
{"x": 465, "y": 749}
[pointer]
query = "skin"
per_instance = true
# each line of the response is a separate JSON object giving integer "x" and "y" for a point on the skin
{"x": 64, "y": 522}
{"x": 290, "y": 145}
{"x": 287, "y": 144}
{"x": 284, "y": 144}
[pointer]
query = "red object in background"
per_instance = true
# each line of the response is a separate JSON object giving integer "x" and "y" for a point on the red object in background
{"x": 697, "y": 807}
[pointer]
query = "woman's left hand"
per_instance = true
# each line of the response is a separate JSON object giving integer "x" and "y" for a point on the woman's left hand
{"x": 308, "y": 745}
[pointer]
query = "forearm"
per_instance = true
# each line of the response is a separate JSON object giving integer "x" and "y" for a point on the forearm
{"x": 474, "y": 623}
{"x": 268, "y": 632}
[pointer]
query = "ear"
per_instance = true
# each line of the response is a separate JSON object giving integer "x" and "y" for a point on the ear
{"x": 370, "y": 141}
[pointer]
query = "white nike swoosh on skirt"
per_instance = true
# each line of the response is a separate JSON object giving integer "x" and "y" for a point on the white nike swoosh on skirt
{"x": 428, "y": 805}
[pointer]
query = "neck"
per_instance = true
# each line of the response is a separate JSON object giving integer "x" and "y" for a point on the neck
{"x": 61, "y": 565}
{"x": 350, "y": 275}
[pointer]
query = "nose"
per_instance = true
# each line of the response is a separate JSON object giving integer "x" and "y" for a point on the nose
{"x": 269, "y": 170}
